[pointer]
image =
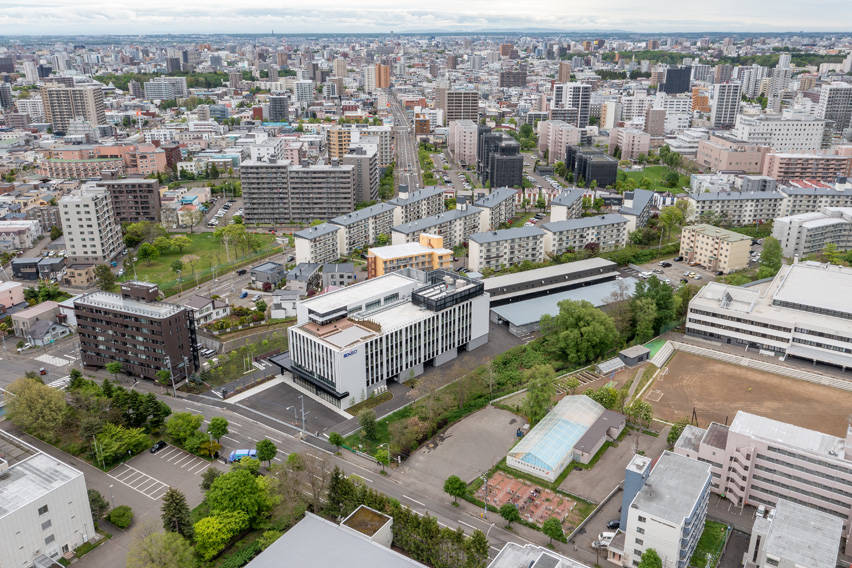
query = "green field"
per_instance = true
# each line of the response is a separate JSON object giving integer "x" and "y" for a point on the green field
{"x": 211, "y": 253}
{"x": 711, "y": 543}
{"x": 656, "y": 174}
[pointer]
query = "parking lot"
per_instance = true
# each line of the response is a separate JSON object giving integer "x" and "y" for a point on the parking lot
{"x": 153, "y": 474}
{"x": 675, "y": 273}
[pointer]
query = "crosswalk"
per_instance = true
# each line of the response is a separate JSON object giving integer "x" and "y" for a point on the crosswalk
{"x": 142, "y": 482}
{"x": 51, "y": 360}
{"x": 261, "y": 365}
{"x": 60, "y": 384}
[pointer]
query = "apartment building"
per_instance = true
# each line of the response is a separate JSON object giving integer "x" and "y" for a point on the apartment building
{"x": 631, "y": 141}
{"x": 364, "y": 158}
{"x": 319, "y": 244}
{"x": 793, "y": 131}
{"x": 92, "y": 235}
{"x": 498, "y": 249}
{"x": 266, "y": 149}
{"x": 512, "y": 78}
{"x": 591, "y": 165}
{"x": 574, "y": 96}
{"x": 455, "y": 226}
{"x": 768, "y": 463}
{"x": 607, "y": 232}
{"x": 808, "y": 233}
{"x": 458, "y": 104}
{"x": 427, "y": 254}
{"x": 792, "y": 535}
{"x": 554, "y": 136}
{"x": 788, "y": 166}
{"x": 280, "y": 192}
{"x": 361, "y": 228}
{"x": 725, "y": 105}
{"x": 134, "y": 199}
{"x": 419, "y": 204}
{"x": 340, "y": 138}
{"x": 498, "y": 207}
{"x": 738, "y": 208}
{"x": 462, "y": 141}
{"x": 349, "y": 342}
{"x": 567, "y": 205}
{"x": 499, "y": 159}
{"x": 726, "y": 153}
{"x": 19, "y": 234}
{"x": 664, "y": 508}
{"x": 803, "y": 197}
{"x": 715, "y": 248}
{"x": 62, "y": 104}
{"x": 835, "y": 104}
{"x": 45, "y": 510}
{"x": 85, "y": 161}
{"x": 637, "y": 208}
{"x": 136, "y": 330}
{"x": 165, "y": 88}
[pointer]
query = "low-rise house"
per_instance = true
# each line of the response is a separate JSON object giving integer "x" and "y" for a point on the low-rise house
{"x": 204, "y": 309}
{"x": 25, "y": 319}
{"x": 340, "y": 274}
{"x": 44, "y": 332}
{"x": 267, "y": 275}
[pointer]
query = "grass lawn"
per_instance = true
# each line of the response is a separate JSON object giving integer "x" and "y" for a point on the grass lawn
{"x": 523, "y": 218}
{"x": 711, "y": 542}
{"x": 656, "y": 174}
{"x": 210, "y": 250}
{"x": 235, "y": 367}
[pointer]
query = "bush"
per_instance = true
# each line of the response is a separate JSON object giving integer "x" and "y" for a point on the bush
{"x": 121, "y": 516}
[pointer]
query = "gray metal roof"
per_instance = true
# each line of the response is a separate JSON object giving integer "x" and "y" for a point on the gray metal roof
{"x": 557, "y": 270}
{"x": 339, "y": 267}
{"x": 424, "y": 193}
{"x": 313, "y": 232}
{"x": 584, "y": 223}
{"x": 641, "y": 199}
{"x": 496, "y": 197}
{"x": 361, "y": 214}
{"x": 673, "y": 488}
{"x": 32, "y": 479}
{"x": 735, "y": 195}
{"x": 804, "y": 536}
{"x": 788, "y": 435}
{"x": 428, "y": 222}
{"x": 568, "y": 197}
{"x": 317, "y": 543}
{"x": 503, "y": 234}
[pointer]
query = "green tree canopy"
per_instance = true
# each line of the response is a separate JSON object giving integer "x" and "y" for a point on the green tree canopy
{"x": 175, "y": 514}
{"x": 152, "y": 549}
{"x": 213, "y": 533}
{"x": 553, "y": 528}
{"x": 236, "y": 491}
{"x": 770, "y": 258}
{"x": 650, "y": 559}
{"x": 540, "y": 392}
{"x": 510, "y": 512}
{"x": 182, "y": 425}
{"x": 104, "y": 278}
{"x": 266, "y": 451}
{"x": 35, "y": 407}
{"x": 455, "y": 487}
{"x": 579, "y": 333}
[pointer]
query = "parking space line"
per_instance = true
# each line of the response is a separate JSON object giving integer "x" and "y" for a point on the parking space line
{"x": 188, "y": 463}
{"x": 235, "y": 424}
{"x": 151, "y": 482}
{"x": 137, "y": 487}
{"x": 195, "y": 466}
{"x": 170, "y": 452}
{"x": 179, "y": 454}
{"x": 184, "y": 458}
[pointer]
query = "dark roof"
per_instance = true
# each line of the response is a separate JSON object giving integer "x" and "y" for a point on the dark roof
{"x": 716, "y": 436}
{"x": 341, "y": 267}
{"x": 598, "y": 430}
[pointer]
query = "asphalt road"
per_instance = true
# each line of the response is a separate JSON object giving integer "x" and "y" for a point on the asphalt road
{"x": 407, "y": 165}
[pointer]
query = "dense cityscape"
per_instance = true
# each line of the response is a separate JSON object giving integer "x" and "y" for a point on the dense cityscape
{"x": 480, "y": 299}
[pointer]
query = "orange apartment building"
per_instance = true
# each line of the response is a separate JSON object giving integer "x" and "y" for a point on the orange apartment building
{"x": 700, "y": 100}
{"x": 784, "y": 167}
{"x": 427, "y": 254}
{"x": 76, "y": 162}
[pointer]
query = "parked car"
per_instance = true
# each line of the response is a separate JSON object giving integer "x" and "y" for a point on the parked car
{"x": 684, "y": 280}
{"x": 291, "y": 258}
{"x": 678, "y": 258}
{"x": 719, "y": 273}
{"x": 698, "y": 277}
{"x": 243, "y": 295}
{"x": 42, "y": 371}
{"x": 157, "y": 447}
{"x": 241, "y": 271}
{"x": 256, "y": 298}
{"x": 613, "y": 524}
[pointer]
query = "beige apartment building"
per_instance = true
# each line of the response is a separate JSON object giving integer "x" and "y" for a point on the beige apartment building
{"x": 496, "y": 249}
{"x": 462, "y": 141}
{"x": 631, "y": 141}
{"x": 458, "y": 105}
{"x": 725, "y": 153}
{"x": 427, "y": 254}
{"x": 62, "y": 104}
{"x": 715, "y": 248}
{"x": 784, "y": 167}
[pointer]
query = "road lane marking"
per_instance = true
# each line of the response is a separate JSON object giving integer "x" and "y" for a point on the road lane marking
{"x": 414, "y": 500}
{"x": 467, "y": 525}
{"x": 231, "y": 439}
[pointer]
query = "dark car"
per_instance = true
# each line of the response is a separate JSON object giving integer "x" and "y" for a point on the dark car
{"x": 666, "y": 264}
{"x": 678, "y": 258}
{"x": 719, "y": 273}
{"x": 241, "y": 271}
{"x": 684, "y": 280}
{"x": 158, "y": 446}
{"x": 613, "y": 524}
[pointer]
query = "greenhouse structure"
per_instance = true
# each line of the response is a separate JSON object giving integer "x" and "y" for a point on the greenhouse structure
{"x": 575, "y": 429}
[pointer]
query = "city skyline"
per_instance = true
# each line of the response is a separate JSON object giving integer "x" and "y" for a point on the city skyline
{"x": 66, "y": 17}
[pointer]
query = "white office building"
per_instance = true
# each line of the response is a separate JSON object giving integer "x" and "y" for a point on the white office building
{"x": 350, "y": 342}
{"x": 808, "y": 233}
{"x": 725, "y": 105}
{"x": 792, "y": 131}
{"x": 44, "y": 506}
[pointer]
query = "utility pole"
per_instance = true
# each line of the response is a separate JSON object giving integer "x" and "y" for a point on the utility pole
{"x": 485, "y": 479}
{"x": 171, "y": 374}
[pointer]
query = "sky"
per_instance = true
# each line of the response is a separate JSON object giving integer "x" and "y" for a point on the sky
{"x": 35, "y": 17}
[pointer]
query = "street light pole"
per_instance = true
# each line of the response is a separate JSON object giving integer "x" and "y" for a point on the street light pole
{"x": 302, "y": 398}
{"x": 111, "y": 498}
{"x": 388, "y": 460}
{"x": 485, "y": 479}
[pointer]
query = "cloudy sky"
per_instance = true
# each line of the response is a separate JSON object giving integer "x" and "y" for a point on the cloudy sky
{"x": 28, "y": 17}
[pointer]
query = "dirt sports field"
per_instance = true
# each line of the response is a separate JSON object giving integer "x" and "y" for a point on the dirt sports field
{"x": 718, "y": 390}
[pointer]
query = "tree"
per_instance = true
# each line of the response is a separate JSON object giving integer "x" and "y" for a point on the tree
{"x": 153, "y": 549}
{"x": 97, "y": 504}
{"x": 121, "y": 516}
{"x": 116, "y": 441}
{"x": 148, "y": 252}
{"x": 671, "y": 217}
{"x": 115, "y": 368}
{"x": 644, "y": 314}
{"x": 177, "y": 266}
{"x": 455, "y": 487}
{"x": 193, "y": 218}
{"x": 104, "y": 278}
{"x": 213, "y": 533}
{"x": 208, "y": 477}
{"x": 163, "y": 244}
{"x": 553, "y": 528}
{"x": 579, "y": 333}
{"x": 510, "y": 512}
{"x": 650, "y": 559}
{"x": 35, "y": 407}
{"x": 55, "y": 233}
{"x": 181, "y": 242}
{"x": 367, "y": 421}
{"x": 676, "y": 430}
{"x": 218, "y": 427}
{"x": 182, "y": 425}
{"x": 335, "y": 440}
{"x": 572, "y": 384}
{"x": 266, "y": 451}
{"x": 236, "y": 491}
{"x": 770, "y": 258}
{"x": 164, "y": 376}
{"x": 605, "y": 396}
{"x": 663, "y": 297}
{"x": 175, "y": 514}
{"x": 540, "y": 392}
{"x": 831, "y": 254}
{"x": 382, "y": 457}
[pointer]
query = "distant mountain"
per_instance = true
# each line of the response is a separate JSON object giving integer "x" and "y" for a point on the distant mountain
{"x": 515, "y": 31}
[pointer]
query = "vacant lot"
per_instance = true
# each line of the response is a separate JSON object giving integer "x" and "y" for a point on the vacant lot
{"x": 718, "y": 390}
{"x": 656, "y": 175}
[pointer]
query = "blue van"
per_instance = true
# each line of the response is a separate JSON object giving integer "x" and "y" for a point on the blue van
{"x": 243, "y": 295}
{"x": 237, "y": 455}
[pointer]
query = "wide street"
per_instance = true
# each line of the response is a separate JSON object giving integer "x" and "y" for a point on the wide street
{"x": 407, "y": 165}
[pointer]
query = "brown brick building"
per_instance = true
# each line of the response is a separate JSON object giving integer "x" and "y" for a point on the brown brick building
{"x": 135, "y": 329}
{"x": 134, "y": 199}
